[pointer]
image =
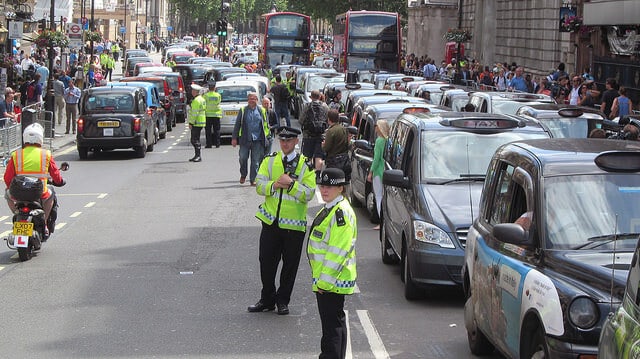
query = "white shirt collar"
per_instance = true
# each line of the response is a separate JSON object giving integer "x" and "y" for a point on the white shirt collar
{"x": 290, "y": 156}
{"x": 335, "y": 201}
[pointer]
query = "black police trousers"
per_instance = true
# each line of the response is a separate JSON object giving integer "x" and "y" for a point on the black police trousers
{"x": 333, "y": 344}
{"x": 212, "y": 132}
{"x": 276, "y": 243}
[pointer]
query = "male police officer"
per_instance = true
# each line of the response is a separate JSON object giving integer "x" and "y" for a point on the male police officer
{"x": 288, "y": 183}
{"x": 213, "y": 114}
{"x": 197, "y": 120}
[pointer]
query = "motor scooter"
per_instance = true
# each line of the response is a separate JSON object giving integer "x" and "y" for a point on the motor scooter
{"x": 29, "y": 217}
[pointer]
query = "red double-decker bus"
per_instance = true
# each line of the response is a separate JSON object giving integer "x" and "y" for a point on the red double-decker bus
{"x": 367, "y": 40}
{"x": 285, "y": 38}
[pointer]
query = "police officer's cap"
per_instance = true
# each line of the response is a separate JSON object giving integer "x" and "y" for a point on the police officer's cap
{"x": 196, "y": 87}
{"x": 286, "y": 132}
{"x": 331, "y": 177}
{"x": 211, "y": 84}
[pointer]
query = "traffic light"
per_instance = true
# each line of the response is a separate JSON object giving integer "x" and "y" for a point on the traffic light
{"x": 224, "y": 28}
{"x": 42, "y": 25}
{"x": 219, "y": 27}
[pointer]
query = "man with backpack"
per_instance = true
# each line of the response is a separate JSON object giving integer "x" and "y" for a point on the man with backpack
{"x": 34, "y": 91}
{"x": 314, "y": 123}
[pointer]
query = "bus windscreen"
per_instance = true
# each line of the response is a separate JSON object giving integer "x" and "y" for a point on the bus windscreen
{"x": 372, "y": 26}
{"x": 287, "y": 25}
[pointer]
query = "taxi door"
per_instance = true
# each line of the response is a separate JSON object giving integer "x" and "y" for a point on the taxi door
{"x": 504, "y": 264}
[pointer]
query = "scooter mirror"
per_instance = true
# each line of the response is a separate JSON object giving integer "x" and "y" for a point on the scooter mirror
{"x": 64, "y": 166}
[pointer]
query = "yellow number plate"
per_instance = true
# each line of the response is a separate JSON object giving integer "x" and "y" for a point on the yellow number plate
{"x": 231, "y": 113}
{"x": 23, "y": 228}
{"x": 108, "y": 124}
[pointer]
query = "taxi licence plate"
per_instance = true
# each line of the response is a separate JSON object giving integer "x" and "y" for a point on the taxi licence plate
{"x": 23, "y": 229}
{"x": 108, "y": 124}
{"x": 231, "y": 113}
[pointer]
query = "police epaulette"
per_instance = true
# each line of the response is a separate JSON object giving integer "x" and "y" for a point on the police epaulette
{"x": 340, "y": 217}
{"x": 272, "y": 154}
{"x": 309, "y": 162}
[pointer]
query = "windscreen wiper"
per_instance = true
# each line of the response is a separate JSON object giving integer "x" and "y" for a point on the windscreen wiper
{"x": 597, "y": 241}
{"x": 465, "y": 178}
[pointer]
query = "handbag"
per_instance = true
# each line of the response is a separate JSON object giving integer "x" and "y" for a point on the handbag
{"x": 340, "y": 161}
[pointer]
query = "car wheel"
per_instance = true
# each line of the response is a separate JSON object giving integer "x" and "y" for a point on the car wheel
{"x": 372, "y": 208}
{"x": 411, "y": 291}
{"x": 141, "y": 151}
{"x": 478, "y": 342}
{"x": 534, "y": 345}
{"x": 388, "y": 257}
{"x": 83, "y": 152}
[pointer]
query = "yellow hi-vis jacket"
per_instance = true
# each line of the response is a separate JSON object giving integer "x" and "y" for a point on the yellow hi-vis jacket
{"x": 288, "y": 206}
{"x": 331, "y": 249}
{"x": 33, "y": 161}
{"x": 213, "y": 100}
{"x": 196, "y": 114}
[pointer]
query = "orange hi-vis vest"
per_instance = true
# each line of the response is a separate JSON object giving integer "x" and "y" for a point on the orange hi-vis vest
{"x": 33, "y": 161}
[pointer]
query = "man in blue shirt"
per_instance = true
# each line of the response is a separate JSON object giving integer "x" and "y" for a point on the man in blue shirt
{"x": 250, "y": 132}
{"x": 518, "y": 82}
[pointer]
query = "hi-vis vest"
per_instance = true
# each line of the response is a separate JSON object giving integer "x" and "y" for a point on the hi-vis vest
{"x": 265, "y": 123}
{"x": 288, "y": 206}
{"x": 33, "y": 161}
{"x": 196, "y": 113}
{"x": 213, "y": 104}
{"x": 331, "y": 250}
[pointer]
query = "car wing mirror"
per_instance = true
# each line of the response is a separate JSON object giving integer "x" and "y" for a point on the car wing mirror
{"x": 512, "y": 233}
{"x": 395, "y": 178}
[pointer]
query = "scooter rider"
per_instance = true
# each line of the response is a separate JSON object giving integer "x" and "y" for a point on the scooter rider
{"x": 33, "y": 160}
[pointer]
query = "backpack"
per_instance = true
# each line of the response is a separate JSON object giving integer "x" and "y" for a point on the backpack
{"x": 31, "y": 91}
{"x": 313, "y": 119}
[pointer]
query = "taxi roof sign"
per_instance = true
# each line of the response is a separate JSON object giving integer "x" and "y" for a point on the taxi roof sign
{"x": 482, "y": 123}
{"x": 618, "y": 161}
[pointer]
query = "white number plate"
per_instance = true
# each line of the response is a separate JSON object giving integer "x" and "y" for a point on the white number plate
{"x": 107, "y": 131}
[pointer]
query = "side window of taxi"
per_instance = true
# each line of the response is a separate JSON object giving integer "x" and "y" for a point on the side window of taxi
{"x": 396, "y": 151}
{"x": 500, "y": 209}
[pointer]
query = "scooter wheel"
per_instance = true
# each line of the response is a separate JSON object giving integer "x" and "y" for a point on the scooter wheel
{"x": 24, "y": 253}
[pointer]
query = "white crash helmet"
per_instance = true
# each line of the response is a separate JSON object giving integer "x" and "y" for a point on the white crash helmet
{"x": 34, "y": 133}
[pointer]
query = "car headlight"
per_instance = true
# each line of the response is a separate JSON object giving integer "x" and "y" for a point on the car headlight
{"x": 428, "y": 233}
{"x": 583, "y": 313}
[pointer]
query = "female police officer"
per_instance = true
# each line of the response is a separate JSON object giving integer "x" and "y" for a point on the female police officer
{"x": 331, "y": 252}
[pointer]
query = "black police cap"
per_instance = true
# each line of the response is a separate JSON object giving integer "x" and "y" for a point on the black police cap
{"x": 286, "y": 132}
{"x": 331, "y": 177}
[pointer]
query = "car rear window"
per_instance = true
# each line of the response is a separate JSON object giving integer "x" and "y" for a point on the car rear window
{"x": 235, "y": 93}
{"x": 112, "y": 102}
{"x": 173, "y": 82}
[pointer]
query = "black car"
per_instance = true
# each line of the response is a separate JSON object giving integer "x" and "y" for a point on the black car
{"x": 217, "y": 73}
{"x": 115, "y": 118}
{"x": 437, "y": 165}
{"x": 548, "y": 255}
{"x": 192, "y": 73}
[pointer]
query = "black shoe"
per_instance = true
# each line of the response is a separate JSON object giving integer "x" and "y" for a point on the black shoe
{"x": 261, "y": 307}
{"x": 217, "y": 146}
{"x": 193, "y": 159}
{"x": 208, "y": 146}
{"x": 197, "y": 159}
{"x": 283, "y": 309}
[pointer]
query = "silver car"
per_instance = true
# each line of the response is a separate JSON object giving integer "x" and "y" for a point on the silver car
{"x": 234, "y": 97}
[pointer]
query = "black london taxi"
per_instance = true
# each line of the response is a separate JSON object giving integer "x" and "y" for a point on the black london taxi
{"x": 548, "y": 256}
{"x": 436, "y": 166}
{"x": 564, "y": 121}
{"x": 115, "y": 118}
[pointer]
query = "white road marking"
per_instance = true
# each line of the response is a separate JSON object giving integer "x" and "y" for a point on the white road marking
{"x": 1, "y": 268}
{"x": 102, "y": 195}
{"x": 89, "y": 205}
{"x": 60, "y": 225}
{"x": 349, "y": 353}
{"x": 375, "y": 342}
{"x": 66, "y": 150}
{"x": 5, "y": 233}
{"x": 3, "y": 218}
{"x": 79, "y": 194}
{"x": 75, "y": 214}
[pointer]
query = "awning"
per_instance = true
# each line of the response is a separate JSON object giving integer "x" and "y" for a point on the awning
{"x": 611, "y": 12}
{"x": 62, "y": 8}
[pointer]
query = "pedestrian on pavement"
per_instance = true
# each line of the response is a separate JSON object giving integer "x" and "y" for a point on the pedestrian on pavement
{"x": 332, "y": 257}
{"x": 196, "y": 119}
{"x": 59, "y": 104}
{"x": 72, "y": 98}
{"x": 287, "y": 182}
{"x": 622, "y": 105}
{"x": 251, "y": 132}
{"x": 213, "y": 114}
{"x": 336, "y": 144}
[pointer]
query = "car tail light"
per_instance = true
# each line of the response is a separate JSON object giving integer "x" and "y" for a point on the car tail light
{"x": 80, "y": 125}
{"x": 24, "y": 210}
{"x": 136, "y": 124}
